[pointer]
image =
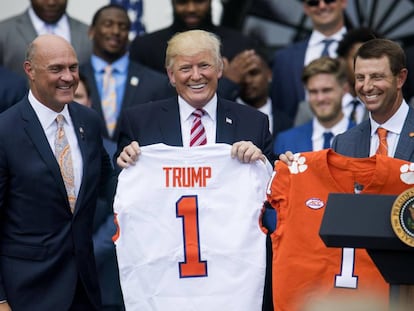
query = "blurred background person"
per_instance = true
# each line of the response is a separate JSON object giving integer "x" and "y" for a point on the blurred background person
{"x": 325, "y": 81}
{"x": 237, "y": 48}
{"x": 116, "y": 82}
{"x": 328, "y": 23}
{"x": 351, "y": 105}
{"x": 12, "y": 88}
{"x": 42, "y": 16}
{"x": 104, "y": 227}
{"x": 254, "y": 91}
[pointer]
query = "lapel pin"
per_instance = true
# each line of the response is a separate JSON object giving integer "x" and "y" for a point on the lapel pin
{"x": 229, "y": 121}
{"x": 82, "y": 133}
{"x": 134, "y": 81}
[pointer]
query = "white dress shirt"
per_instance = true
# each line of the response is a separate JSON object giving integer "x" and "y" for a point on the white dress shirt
{"x": 394, "y": 127}
{"x": 61, "y": 28}
{"x": 208, "y": 120}
{"x": 319, "y": 129}
{"x": 47, "y": 118}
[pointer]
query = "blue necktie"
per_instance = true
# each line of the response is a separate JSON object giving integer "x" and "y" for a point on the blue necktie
{"x": 327, "y": 43}
{"x": 327, "y": 136}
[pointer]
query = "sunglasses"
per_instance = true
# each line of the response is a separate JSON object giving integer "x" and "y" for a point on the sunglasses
{"x": 316, "y": 2}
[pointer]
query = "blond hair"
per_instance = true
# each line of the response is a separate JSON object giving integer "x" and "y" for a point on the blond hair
{"x": 192, "y": 42}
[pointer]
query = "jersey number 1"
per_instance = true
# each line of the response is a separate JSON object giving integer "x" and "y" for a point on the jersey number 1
{"x": 192, "y": 266}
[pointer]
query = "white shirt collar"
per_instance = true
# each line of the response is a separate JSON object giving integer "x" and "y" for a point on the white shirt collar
{"x": 61, "y": 27}
{"x": 393, "y": 124}
{"x": 47, "y": 116}
{"x": 319, "y": 129}
{"x": 317, "y": 37}
{"x": 186, "y": 109}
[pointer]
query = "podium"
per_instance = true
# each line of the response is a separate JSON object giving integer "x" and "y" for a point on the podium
{"x": 363, "y": 221}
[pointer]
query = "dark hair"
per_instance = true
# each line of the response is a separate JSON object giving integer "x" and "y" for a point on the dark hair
{"x": 105, "y": 7}
{"x": 325, "y": 65}
{"x": 353, "y": 36}
{"x": 377, "y": 48}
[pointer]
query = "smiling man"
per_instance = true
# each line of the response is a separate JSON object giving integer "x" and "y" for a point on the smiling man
{"x": 194, "y": 65}
{"x": 132, "y": 83}
{"x": 325, "y": 81}
{"x": 50, "y": 175}
{"x": 380, "y": 73}
{"x": 328, "y": 23}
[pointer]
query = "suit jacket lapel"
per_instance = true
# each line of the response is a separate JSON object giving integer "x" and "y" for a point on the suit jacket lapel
{"x": 226, "y": 123}
{"x": 405, "y": 147}
{"x": 26, "y": 28}
{"x": 169, "y": 122}
{"x": 36, "y": 133}
{"x": 363, "y": 141}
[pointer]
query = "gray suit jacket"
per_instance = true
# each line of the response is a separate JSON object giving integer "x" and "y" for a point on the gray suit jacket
{"x": 356, "y": 141}
{"x": 18, "y": 31}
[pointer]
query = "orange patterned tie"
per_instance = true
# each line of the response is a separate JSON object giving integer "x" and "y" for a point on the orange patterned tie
{"x": 382, "y": 146}
{"x": 64, "y": 158}
{"x": 109, "y": 99}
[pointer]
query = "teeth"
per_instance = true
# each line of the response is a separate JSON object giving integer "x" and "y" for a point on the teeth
{"x": 64, "y": 87}
{"x": 370, "y": 96}
{"x": 198, "y": 86}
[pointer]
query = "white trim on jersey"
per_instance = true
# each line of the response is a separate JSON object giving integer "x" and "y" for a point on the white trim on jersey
{"x": 189, "y": 233}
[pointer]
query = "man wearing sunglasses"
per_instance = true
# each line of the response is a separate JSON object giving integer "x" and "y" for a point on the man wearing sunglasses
{"x": 328, "y": 23}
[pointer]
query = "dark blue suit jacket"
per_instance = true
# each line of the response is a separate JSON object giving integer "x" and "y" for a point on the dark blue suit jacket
{"x": 297, "y": 139}
{"x": 44, "y": 248}
{"x": 12, "y": 88}
{"x": 287, "y": 88}
{"x": 356, "y": 142}
{"x": 159, "y": 122}
{"x": 151, "y": 86}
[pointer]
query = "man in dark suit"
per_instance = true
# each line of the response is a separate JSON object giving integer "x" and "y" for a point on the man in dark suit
{"x": 325, "y": 81}
{"x": 194, "y": 65}
{"x": 287, "y": 89}
{"x": 46, "y": 250}
{"x": 136, "y": 84}
{"x": 237, "y": 48}
{"x": 380, "y": 73}
{"x": 40, "y": 18}
{"x": 12, "y": 88}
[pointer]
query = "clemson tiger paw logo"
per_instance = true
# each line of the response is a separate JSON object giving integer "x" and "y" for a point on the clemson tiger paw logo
{"x": 407, "y": 173}
{"x": 298, "y": 164}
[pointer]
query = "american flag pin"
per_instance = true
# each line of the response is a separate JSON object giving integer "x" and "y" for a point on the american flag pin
{"x": 229, "y": 121}
{"x": 134, "y": 81}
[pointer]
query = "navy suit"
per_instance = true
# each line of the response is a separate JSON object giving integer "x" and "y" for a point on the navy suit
{"x": 44, "y": 248}
{"x": 297, "y": 139}
{"x": 12, "y": 88}
{"x": 150, "y": 86}
{"x": 287, "y": 88}
{"x": 356, "y": 142}
{"x": 159, "y": 122}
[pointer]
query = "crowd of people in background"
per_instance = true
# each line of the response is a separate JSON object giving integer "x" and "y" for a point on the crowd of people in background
{"x": 334, "y": 89}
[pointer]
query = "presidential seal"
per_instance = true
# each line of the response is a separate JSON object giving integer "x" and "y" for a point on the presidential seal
{"x": 402, "y": 217}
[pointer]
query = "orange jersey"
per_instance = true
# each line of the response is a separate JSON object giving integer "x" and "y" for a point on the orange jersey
{"x": 303, "y": 267}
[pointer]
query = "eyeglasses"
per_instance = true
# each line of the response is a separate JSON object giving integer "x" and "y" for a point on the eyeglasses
{"x": 316, "y": 2}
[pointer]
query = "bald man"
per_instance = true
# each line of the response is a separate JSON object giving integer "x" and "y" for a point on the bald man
{"x": 47, "y": 260}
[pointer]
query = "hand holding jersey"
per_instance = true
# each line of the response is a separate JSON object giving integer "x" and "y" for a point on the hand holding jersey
{"x": 244, "y": 151}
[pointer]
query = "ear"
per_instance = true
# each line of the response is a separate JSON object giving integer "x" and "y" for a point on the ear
{"x": 402, "y": 77}
{"x": 28, "y": 69}
{"x": 91, "y": 33}
{"x": 170, "y": 73}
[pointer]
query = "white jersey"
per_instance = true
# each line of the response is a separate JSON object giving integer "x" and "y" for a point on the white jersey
{"x": 189, "y": 236}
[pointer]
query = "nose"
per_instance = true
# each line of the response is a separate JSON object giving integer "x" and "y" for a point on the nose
{"x": 67, "y": 75}
{"x": 195, "y": 73}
